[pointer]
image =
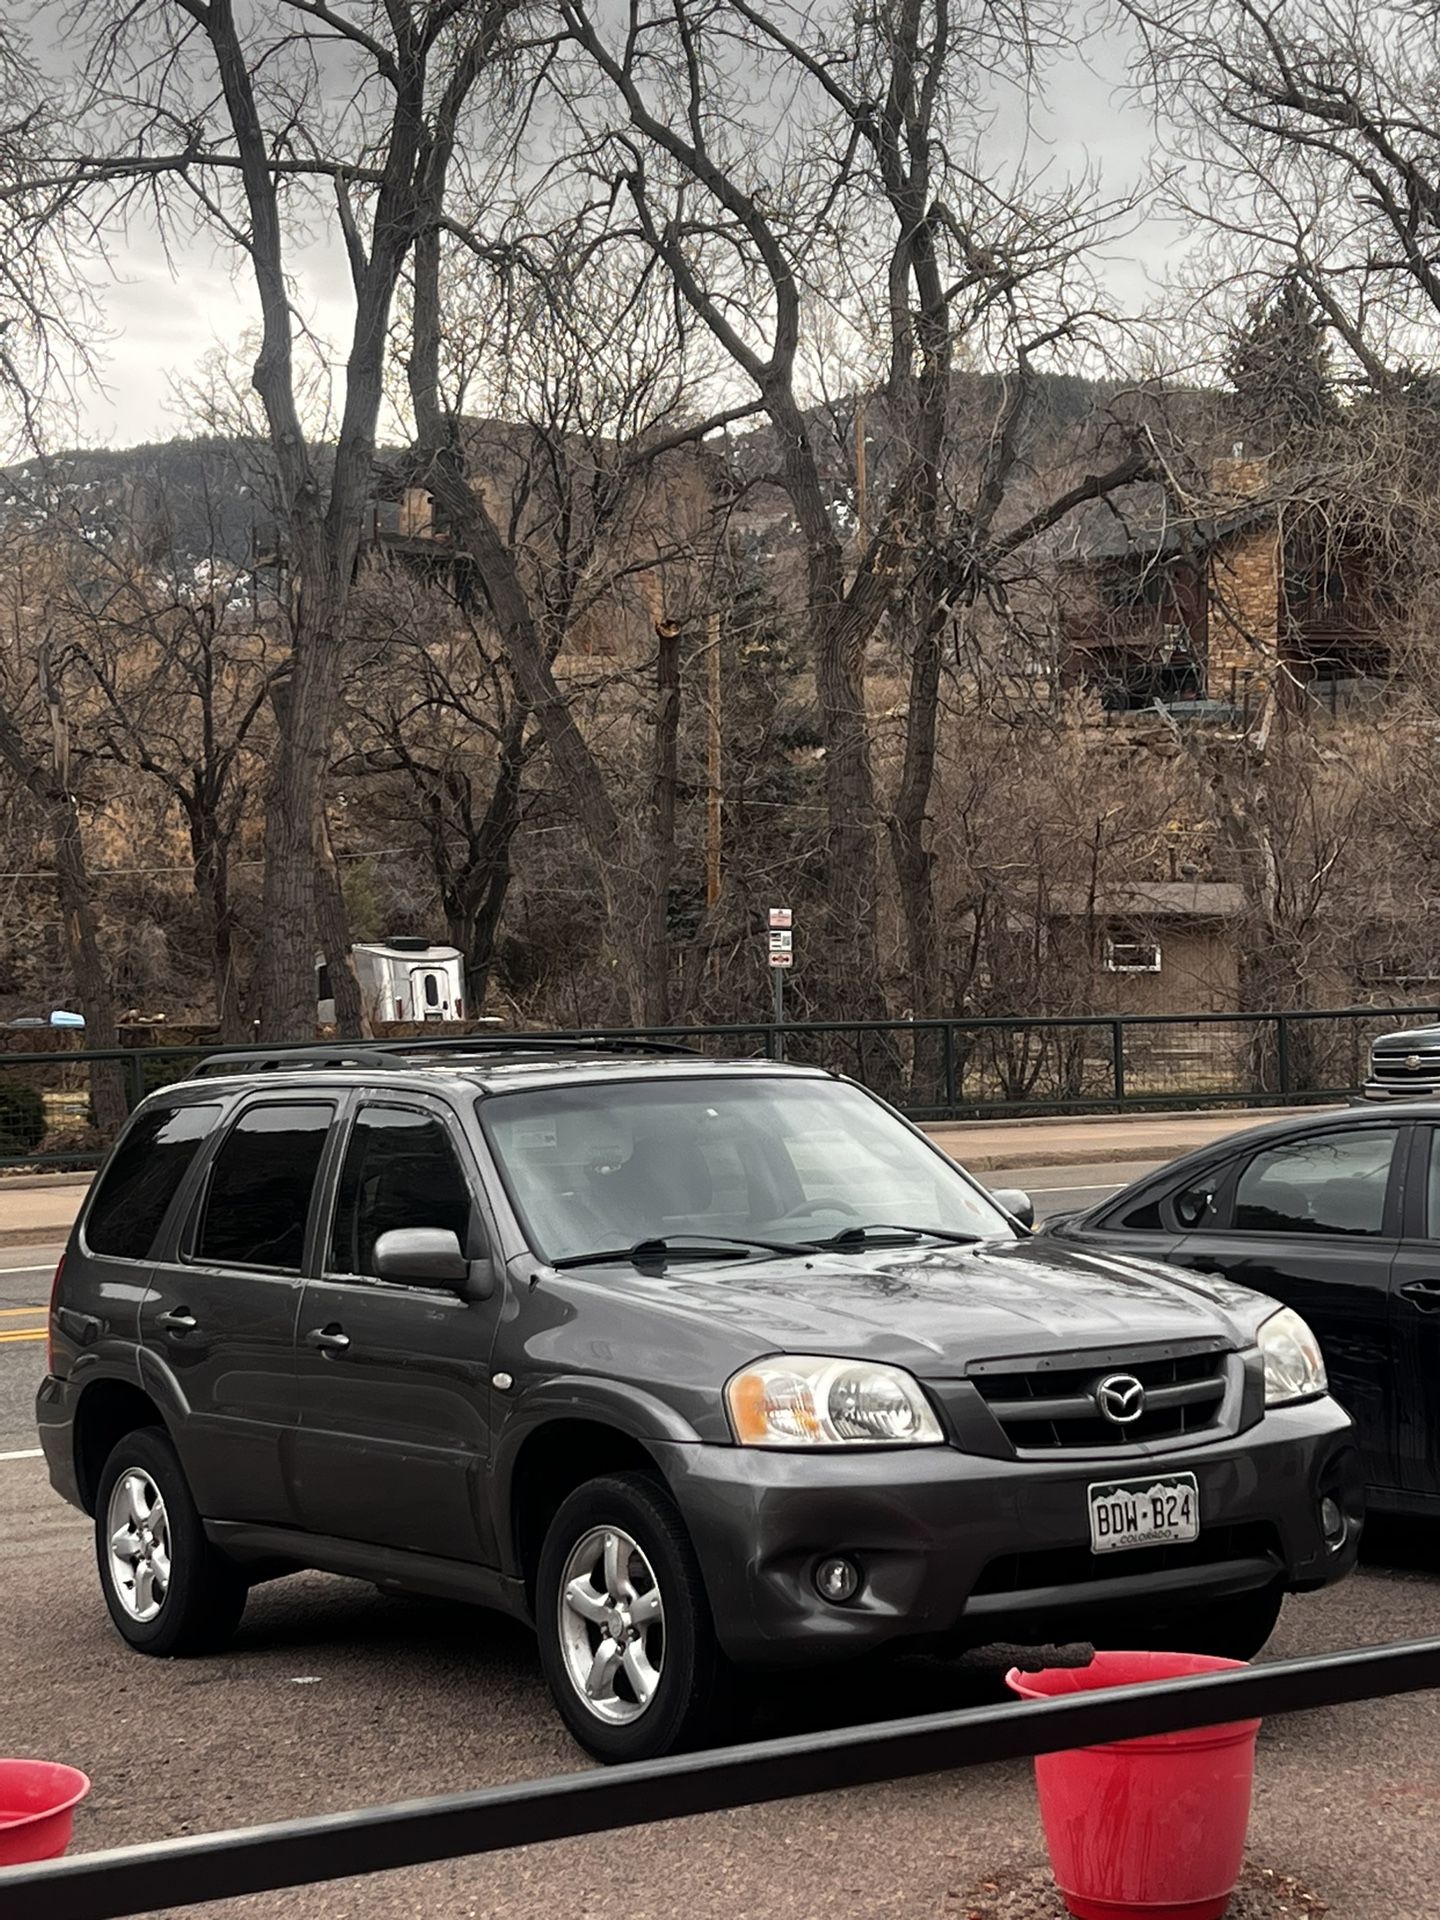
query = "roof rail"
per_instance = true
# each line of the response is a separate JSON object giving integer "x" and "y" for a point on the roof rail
{"x": 279, "y": 1059}
{"x": 388, "y": 1056}
{"x": 492, "y": 1042}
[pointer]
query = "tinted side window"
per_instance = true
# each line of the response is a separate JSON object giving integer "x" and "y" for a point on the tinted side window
{"x": 1432, "y": 1219}
{"x": 260, "y": 1187}
{"x": 143, "y": 1177}
{"x": 401, "y": 1170}
{"x": 1333, "y": 1183}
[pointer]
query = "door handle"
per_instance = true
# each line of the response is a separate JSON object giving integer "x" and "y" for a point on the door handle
{"x": 1425, "y": 1294}
{"x": 329, "y": 1339}
{"x": 178, "y": 1320}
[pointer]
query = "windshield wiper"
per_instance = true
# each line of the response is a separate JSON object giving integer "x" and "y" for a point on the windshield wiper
{"x": 881, "y": 1232}
{"x": 655, "y": 1252}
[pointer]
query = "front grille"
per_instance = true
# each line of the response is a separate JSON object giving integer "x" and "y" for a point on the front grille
{"x": 1057, "y": 1409}
{"x": 1074, "y": 1566}
{"x": 1396, "y": 1067}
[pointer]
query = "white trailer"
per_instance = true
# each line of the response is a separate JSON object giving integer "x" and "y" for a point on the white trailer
{"x": 400, "y": 979}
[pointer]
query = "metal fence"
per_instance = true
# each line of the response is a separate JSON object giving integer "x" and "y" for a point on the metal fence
{"x": 956, "y": 1069}
{"x": 184, "y": 1872}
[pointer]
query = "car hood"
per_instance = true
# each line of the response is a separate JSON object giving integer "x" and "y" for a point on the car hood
{"x": 935, "y": 1310}
{"x": 1407, "y": 1039}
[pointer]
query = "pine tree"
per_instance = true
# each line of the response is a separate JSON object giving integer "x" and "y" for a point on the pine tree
{"x": 1279, "y": 367}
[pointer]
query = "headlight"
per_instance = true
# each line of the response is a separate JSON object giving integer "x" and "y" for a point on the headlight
{"x": 1294, "y": 1368}
{"x": 807, "y": 1400}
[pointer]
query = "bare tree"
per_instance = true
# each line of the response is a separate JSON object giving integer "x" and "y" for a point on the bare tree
{"x": 38, "y": 705}
{"x": 204, "y": 112}
{"x": 880, "y": 158}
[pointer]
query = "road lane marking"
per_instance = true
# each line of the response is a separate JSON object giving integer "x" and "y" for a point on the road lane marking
{"x": 10, "y": 1338}
{"x": 25, "y": 1453}
{"x": 14, "y": 1313}
{"x": 36, "y": 1266}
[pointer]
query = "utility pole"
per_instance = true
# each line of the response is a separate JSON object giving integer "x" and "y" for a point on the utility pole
{"x": 712, "y": 762}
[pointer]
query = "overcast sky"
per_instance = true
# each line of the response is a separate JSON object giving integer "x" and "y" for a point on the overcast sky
{"x": 161, "y": 319}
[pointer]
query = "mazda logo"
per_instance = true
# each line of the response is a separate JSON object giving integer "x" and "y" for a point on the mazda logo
{"x": 1120, "y": 1398}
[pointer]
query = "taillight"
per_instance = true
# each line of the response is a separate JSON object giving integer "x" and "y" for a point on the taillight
{"x": 50, "y": 1324}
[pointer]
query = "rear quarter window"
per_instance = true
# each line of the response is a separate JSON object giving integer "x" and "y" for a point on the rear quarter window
{"x": 142, "y": 1177}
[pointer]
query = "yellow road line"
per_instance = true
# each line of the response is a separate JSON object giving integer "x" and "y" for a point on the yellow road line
{"x": 11, "y": 1338}
{"x": 14, "y": 1313}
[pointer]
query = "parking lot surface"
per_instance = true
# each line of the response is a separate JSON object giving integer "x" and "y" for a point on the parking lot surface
{"x": 336, "y": 1697}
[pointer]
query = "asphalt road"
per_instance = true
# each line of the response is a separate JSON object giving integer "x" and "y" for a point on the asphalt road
{"x": 336, "y": 1697}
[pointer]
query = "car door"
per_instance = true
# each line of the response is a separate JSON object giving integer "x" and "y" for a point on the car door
{"x": 1415, "y": 1319}
{"x": 219, "y": 1318}
{"x": 1314, "y": 1220}
{"x": 394, "y": 1378}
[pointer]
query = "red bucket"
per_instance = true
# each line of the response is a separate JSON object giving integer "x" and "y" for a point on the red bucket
{"x": 38, "y": 1799}
{"x": 1150, "y": 1829}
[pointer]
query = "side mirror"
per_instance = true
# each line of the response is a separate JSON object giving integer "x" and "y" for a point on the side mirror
{"x": 431, "y": 1257}
{"x": 1016, "y": 1202}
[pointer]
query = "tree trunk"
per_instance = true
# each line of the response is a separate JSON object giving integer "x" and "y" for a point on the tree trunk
{"x": 663, "y": 809}
{"x": 208, "y": 855}
{"x": 914, "y": 860}
{"x": 88, "y": 970}
{"x": 333, "y": 923}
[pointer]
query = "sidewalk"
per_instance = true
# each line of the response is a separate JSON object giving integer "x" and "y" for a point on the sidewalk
{"x": 37, "y": 1210}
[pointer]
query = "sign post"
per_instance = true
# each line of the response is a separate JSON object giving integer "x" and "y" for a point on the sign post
{"x": 782, "y": 956}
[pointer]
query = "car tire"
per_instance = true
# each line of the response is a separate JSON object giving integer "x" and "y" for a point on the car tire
{"x": 168, "y": 1590}
{"x": 1233, "y": 1627}
{"x": 629, "y": 1688}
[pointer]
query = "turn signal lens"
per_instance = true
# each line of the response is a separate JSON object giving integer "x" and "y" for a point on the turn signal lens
{"x": 807, "y": 1400}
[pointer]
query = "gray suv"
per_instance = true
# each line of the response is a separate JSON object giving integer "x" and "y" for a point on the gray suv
{"x": 698, "y": 1366}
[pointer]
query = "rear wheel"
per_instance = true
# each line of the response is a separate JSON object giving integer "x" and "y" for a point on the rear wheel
{"x": 168, "y": 1590}
{"x": 626, "y": 1638}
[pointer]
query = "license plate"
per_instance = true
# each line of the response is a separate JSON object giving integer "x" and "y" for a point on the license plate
{"x": 1143, "y": 1513}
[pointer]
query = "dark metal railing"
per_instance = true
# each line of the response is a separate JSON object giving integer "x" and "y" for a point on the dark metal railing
{"x": 960, "y": 1068}
{"x": 185, "y": 1872}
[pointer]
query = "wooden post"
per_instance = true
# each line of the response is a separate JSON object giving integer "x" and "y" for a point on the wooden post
{"x": 712, "y": 762}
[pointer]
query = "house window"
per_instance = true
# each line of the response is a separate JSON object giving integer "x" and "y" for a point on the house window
{"x": 1124, "y": 953}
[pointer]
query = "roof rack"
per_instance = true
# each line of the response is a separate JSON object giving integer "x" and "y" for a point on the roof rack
{"x": 389, "y": 1056}
{"x": 279, "y": 1059}
{"x": 539, "y": 1042}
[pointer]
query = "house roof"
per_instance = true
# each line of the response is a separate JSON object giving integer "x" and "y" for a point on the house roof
{"x": 1143, "y": 521}
{"x": 1151, "y": 900}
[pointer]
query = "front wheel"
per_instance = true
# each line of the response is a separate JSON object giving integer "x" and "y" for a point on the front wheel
{"x": 626, "y": 1637}
{"x": 168, "y": 1590}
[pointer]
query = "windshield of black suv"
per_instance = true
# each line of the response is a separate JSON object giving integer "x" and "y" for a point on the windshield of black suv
{"x": 601, "y": 1167}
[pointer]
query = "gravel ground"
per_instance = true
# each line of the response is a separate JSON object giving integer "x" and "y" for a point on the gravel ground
{"x": 1030, "y": 1894}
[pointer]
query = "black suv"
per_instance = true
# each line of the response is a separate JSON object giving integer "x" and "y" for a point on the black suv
{"x": 696, "y": 1365}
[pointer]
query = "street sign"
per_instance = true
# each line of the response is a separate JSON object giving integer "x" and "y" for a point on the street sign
{"x": 781, "y": 917}
{"x": 778, "y": 959}
{"x": 780, "y": 940}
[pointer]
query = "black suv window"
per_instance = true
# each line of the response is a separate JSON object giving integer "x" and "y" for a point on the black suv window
{"x": 260, "y": 1187}
{"x": 142, "y": 1179}
{"x": 401, "y": 1170}
{"x": 1330, "y": 1183}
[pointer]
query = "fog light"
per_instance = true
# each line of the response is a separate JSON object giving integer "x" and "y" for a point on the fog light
{"x": 1332, "y": 1522}
{"x": 837, "y": 1580}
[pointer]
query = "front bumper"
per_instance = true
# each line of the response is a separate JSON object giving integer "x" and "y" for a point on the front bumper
{"x": 1400, "y": 1090}
{"x": 959, "y": 1549}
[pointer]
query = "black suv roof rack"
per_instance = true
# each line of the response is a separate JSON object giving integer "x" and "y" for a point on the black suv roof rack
{"x": 390, "y": 1056}
{"x": 277, "y": 1059}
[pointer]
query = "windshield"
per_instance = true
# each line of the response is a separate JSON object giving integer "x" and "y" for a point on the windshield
{"x": 759, "y": 1157}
